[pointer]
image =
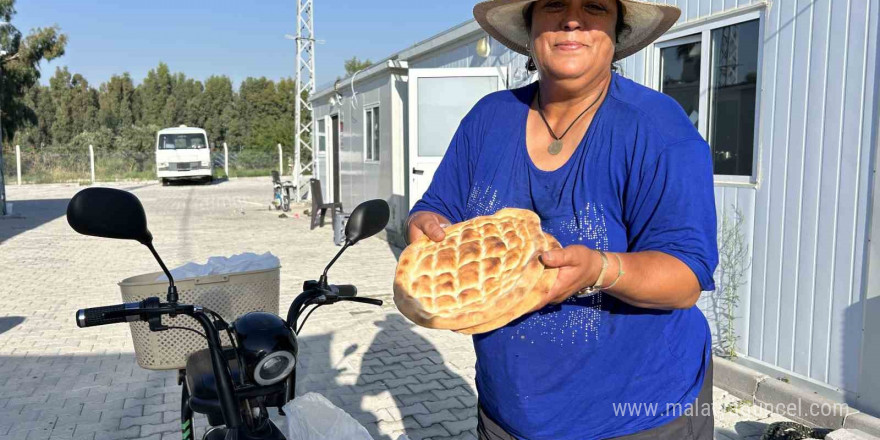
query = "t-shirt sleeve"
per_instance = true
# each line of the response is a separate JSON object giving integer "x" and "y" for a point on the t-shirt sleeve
{"x": 671, "y": 208}
{"x": 447, "y": 194}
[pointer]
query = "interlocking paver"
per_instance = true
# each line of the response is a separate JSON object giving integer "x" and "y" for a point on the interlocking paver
{"x": 422, "y": 387}
{"x": 456, "y": 427}
{"x": 444, "y": 404}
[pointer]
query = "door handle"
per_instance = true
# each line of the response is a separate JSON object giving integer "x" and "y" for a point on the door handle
{"x": 418, "y": 172}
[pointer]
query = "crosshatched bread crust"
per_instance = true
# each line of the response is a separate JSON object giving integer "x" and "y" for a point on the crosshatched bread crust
{"x": 483, "y": 269}
{"x": 532, "y": 299}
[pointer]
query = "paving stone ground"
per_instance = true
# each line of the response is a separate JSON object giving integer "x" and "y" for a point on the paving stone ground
{"x": 61, "y": 382}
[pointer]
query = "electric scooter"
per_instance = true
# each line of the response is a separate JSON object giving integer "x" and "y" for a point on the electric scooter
{"x": 233, "y": 386}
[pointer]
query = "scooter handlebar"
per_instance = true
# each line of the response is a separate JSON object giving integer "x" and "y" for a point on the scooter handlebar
{"x": 114, "y": 314}
{"x": 346, "y": 290}
{"x": 372, "y": 301}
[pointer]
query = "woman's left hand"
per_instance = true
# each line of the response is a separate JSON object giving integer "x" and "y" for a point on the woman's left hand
{"x": 578, "y": 268}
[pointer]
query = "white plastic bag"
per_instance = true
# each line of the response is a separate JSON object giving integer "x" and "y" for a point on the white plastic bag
{"x": 245, "y": 262}
{"x": 313, "y": 417}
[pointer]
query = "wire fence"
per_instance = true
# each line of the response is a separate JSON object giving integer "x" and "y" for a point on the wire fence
{"x": 245, "y": 163}
{"x": 48, "y": 165}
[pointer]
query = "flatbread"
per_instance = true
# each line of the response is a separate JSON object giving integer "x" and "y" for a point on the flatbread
{"x": 482, "y": 270}
{"x": 537, "y": 293}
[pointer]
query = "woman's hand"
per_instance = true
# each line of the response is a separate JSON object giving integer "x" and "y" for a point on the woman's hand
{"x": 426, "y": 223}
{"x": 578, "y": 267}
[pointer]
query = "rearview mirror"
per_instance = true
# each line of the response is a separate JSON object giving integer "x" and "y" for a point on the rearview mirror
{"x": 109, "y": 213}
{"x": 368, "y": 219}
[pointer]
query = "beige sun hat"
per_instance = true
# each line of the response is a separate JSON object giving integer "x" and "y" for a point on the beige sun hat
{"x": 504, "y": 20}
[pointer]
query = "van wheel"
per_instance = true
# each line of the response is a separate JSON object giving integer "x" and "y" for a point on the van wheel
{"x": 165, "y": 182}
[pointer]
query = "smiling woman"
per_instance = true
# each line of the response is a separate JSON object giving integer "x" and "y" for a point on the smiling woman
{"x": 602, "y": 16}
{"x": 621, "y": 178}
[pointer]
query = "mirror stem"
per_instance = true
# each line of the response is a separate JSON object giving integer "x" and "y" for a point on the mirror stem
{"x": 172, "y": 289}
{"x": 323, "y": 280}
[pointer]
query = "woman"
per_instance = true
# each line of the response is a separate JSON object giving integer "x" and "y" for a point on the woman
{"x": 621, "y": 178}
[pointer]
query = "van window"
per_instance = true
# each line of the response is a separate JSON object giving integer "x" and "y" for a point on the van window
{"x": 182, "y": 141}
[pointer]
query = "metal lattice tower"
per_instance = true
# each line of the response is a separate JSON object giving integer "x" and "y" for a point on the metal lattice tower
{"x": 305, "y": 88}
{"x": 729, "y": 56}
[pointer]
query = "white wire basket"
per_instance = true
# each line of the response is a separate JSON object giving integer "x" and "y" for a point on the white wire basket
{"x": 230, "y": 295}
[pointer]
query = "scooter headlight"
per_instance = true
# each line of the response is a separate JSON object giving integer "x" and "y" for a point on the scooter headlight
{"x": 274, "y": 368}
{"x": 267, "y": 347}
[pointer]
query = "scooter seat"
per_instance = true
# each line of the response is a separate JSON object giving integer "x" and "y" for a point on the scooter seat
{"x": 202, "y": 384}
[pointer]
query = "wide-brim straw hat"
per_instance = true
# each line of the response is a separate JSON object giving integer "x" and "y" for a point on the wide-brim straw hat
{"x": 505, "y": 21}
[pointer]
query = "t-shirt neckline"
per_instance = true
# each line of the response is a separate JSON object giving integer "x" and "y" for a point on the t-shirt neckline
{"x": 532, "y": 89}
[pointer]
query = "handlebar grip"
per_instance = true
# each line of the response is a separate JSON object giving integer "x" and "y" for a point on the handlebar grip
{"x": 371, "y": 301}
{"x": 96, "y": 316}
{"x": 346, "y": 290}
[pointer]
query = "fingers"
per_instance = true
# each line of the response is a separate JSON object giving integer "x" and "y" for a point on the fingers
{"x": 433, "y": 230}
{"x": 427, "y": 223}
{"x": 556, "y": 258}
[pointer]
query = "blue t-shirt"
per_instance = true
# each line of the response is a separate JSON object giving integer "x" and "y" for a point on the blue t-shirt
{"x": 641, "y": 179}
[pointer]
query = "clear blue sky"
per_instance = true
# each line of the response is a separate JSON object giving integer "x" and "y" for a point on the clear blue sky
{"x": 236, "y": 38}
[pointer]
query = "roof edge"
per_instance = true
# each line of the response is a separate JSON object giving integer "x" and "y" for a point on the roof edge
{"x": 445, "y": 38}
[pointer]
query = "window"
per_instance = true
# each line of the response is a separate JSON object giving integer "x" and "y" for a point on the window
{"x": 713, "y": 74}
{"x": 322, "y": 136}
{"x": 371, "y": 134}
{"x": 188, "y": 141}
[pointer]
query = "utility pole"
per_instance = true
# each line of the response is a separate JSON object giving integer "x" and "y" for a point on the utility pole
{"x": 2, "y": 178}
{"x": 305, "y": 88}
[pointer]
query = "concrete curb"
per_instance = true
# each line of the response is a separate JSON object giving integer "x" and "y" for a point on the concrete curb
{"x": 790, "y": 401}
{"x": 849, "y": 434}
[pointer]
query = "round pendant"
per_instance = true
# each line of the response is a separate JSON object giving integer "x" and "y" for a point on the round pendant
{"x": 555, "y": 147}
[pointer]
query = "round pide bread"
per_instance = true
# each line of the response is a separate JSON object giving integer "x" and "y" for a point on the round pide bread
{"x": 528, "y": 302}
{"x": 481, "y": 276}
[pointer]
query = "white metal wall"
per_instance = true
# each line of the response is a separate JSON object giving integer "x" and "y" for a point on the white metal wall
{"x": 807, "y": 218}
{"x": 360, "y": 180}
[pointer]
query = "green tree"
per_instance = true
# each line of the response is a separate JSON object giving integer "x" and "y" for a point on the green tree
{"x": 259, "y": 108}
{"x": 36, "y": 133}
{"x": 217, "y": 107}
{"x": 153, "y": 95}
{"x": 116, "y": 99}
{"x": 21, "y": 67}
{"x": 99, "y": 138}
{"x": 76, "y": 106}
{"x": 353, "y": 64}
{"x": 188, "y": 97}
{"x": 136, "y": 138}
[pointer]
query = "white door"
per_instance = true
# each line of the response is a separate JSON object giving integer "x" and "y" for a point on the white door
{"x": 438, "y": 100}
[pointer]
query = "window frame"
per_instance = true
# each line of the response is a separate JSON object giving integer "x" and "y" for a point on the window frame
{"x": 374, "y": 108}
{"x": 701, "y": 31}
{"x": 319, "y": 134}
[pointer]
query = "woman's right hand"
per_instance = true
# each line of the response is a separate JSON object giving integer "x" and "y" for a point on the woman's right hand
{"x": 426, "y": 223}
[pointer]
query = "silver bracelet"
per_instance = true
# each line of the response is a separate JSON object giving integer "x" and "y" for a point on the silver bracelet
{"x": 598, "y": 286}
{"x": 620, "y": 271}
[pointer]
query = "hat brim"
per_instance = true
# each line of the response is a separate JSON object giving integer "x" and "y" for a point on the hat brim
{"x": 504, "y": 21}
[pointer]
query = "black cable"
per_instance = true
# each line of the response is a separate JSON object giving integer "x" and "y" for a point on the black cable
{"x": 190, "y": 329}
{"x": 235, "y": 349}
{"x": 307, "y": 318}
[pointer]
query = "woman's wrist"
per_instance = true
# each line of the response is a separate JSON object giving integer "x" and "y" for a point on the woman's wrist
{"x": 604, "y": 271}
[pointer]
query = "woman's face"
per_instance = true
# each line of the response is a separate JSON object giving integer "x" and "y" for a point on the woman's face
{"x": 573, "y": 38}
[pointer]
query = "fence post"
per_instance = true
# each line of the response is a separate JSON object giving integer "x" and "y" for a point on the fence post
{"x": 92, "y": 161}
{"x": 226, "y": 160}
{"x": 280, "y": 160}
{"x": 18, "y": 163}
{"x": 297, "y": 170}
